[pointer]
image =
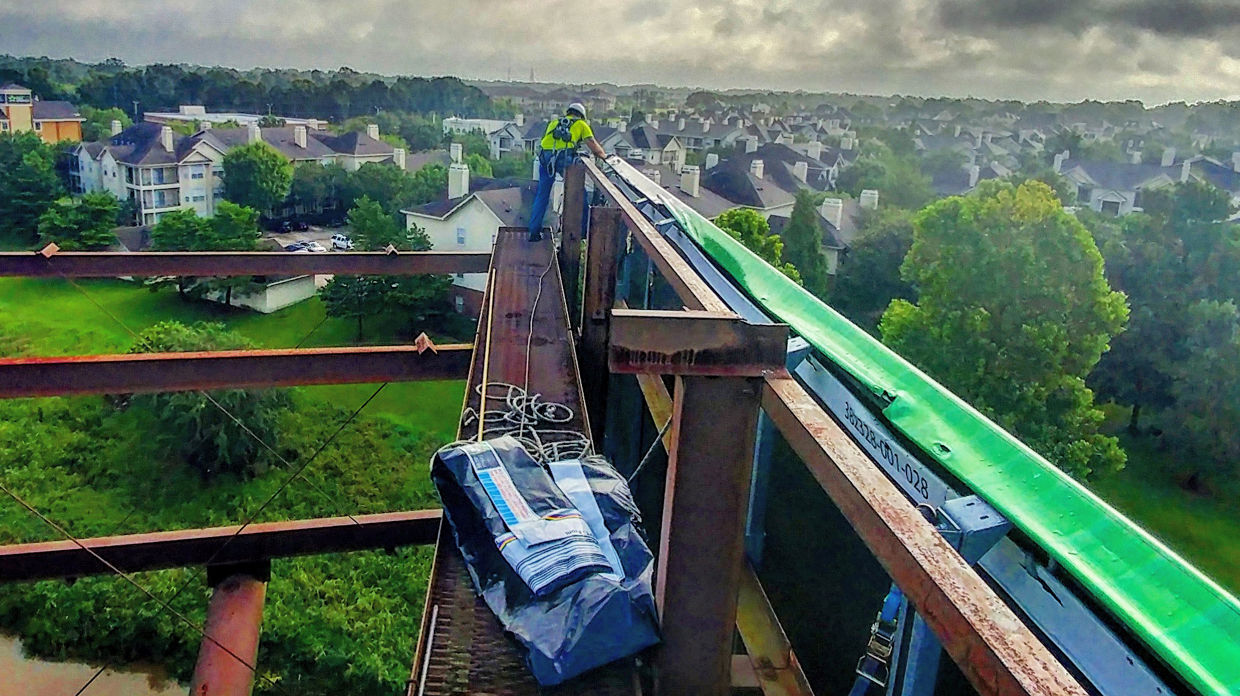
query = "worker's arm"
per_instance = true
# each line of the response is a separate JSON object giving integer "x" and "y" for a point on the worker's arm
{"x": 596, "y": 148}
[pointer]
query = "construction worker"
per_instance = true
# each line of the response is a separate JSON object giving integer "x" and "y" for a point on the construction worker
{"x": 559, "y": 149}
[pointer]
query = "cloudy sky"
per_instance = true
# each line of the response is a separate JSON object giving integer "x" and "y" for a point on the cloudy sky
{"x": 1155, "y": 50}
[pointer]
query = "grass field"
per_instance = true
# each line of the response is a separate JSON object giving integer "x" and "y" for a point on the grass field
{"x": 1205, "y": 530}
{"x": 51, "y": 317}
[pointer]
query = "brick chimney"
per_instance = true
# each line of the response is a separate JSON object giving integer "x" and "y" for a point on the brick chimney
{"x": 206, "y": 126}
{"x": 712, "y": 159}
{"x": 813, "y": 150}
{"x": 869, "y": 199}
{"x": 372, "y": 129}
{"x": 165, "y": 138}
{"x": 833, "y": 210}
{"x": 1186, "y": 170}
{"x": 458, "y": 180}
{"x": 299, "y": 136}
{"x": 253, "y": 133}
{"x": 751, "y": 145}
{"x": 1168, "y": 158}
{"x": 801, "y": 171}
{"x": 519, "y": 119}
{"x": 116, "y": 127}
{"x": 757, "y": 168}
{"x": 456, "y": 151}
{"x": 690, "y": 180}
{"x": 1235, "y": 161}
{"x": 398, "y": 157}
{"x": 654, "y": 175}
{"x": 680, "y": 125}
{"x": 975, "y": 173}
{"x": 847, "y": 142}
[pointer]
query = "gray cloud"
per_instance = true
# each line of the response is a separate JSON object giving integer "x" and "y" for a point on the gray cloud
{"x": 1030, "y": 49}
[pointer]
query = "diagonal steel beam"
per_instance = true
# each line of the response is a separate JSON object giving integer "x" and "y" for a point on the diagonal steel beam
{"x": 257, "y": 542}
{"x": 89, "y": 264}
{"x": 161, "y": 372}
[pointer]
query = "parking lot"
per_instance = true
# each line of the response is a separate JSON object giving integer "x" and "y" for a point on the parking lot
{"x": 322, "y": 235}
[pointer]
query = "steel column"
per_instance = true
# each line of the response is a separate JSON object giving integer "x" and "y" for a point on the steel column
{"x": 701, "y": 548}
{"x": 572, "y": 225}
{"x": 234, "y": 621}
{"x": 161, "y": 372}
{"x": 996, "y": 652}
{"x": 600, "y": 296}
{"x": 103, "y": 264}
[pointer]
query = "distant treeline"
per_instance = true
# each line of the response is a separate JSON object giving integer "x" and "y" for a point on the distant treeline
{"x": 335, "y": 95}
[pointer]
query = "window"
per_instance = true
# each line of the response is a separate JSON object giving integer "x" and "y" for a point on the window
{"x": 460, "y": 303}
{"x": 460, "y": 236}
{"x": 196, "y": 175}
{"x": 38, "y": 125}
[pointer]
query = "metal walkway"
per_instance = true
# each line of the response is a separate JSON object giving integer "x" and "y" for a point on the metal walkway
{"x": 463, "y": 649}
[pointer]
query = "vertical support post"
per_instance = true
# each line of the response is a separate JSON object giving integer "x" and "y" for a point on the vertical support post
{"x": 702, "y": 543}
{"x": 572, "y": 226}
{"x": 234, "y": 619}
{"x": 598, "y": 300}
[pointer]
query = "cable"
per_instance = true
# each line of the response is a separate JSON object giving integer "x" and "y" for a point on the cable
{"x": 657, "y": 440}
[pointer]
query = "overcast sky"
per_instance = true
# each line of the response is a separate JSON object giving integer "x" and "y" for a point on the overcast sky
{"x": 1155, "y": 50}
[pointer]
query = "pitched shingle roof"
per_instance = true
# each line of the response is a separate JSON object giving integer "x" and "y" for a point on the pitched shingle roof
{"x": 55, "y": 111}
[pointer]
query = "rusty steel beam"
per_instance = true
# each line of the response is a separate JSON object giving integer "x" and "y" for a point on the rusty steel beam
{"x": 257, "y": 542}
{"x": 228, "y": 654}
{"x": 163, "y": 372}
{"x": 997, "y": 653}
{"x": 94, "y": 264}
{"x": 689, "y": 286}
{"x": 702, "y": 545}
{"x": 694, "y": 343}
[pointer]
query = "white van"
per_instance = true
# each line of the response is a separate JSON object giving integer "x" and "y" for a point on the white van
{"x": 341, "y": 242}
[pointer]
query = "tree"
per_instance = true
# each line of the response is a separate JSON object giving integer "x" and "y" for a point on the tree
{"x": 256, "y": 176}
{"x": 199, "y": 433}
{"x": 1013, "y": 313}
{"x": 232, "y": 228}
{"x": 28, "y": 184}
{"x": 269, "y": 121}
{"x": 98, "y": 123}
{"x": 751, "y": 229}
{"x": 803, "y": 245}
{"x": 414, "y": 298}
{"x": 479, "y": 165}
{"x": 1207, "y": 392}
{"x": 80, "y": 225}
{"x": 316, "y": 187}
{"x": 869, "y": 278}
{"x": 391, "y": 187}
{"x": 429, "y": 183}
{"x": 516, "y": 165}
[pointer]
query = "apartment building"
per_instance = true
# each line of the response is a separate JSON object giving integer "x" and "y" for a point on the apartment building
{"x": 160, "y": 170}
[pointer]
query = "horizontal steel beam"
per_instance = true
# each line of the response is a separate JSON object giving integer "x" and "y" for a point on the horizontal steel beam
{"x": 190, "y": 547}
{"x": 89, "y": 264}
{"x": 998, "y": 654}
{"x": 163, "y": 372}
{"x": 694, "y": 343}
{"x": 689, "y": 286}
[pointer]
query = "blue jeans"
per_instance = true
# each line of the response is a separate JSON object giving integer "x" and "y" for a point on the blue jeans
{"x": 550, "y": 163}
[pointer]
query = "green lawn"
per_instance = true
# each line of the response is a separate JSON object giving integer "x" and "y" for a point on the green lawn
{"x": 51, "y": 317}
{"x": 1205, "y": 530}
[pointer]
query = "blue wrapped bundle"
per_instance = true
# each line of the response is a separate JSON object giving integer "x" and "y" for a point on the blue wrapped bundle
{"x": 555, "y": 552}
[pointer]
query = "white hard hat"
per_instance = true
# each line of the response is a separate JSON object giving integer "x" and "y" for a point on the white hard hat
{"x": 578, "y": 107}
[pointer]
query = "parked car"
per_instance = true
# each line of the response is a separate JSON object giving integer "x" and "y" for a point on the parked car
{"x": 298, "y": 246}
{"x": 342, "y": 242}
{"x": 315, "y": 247}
